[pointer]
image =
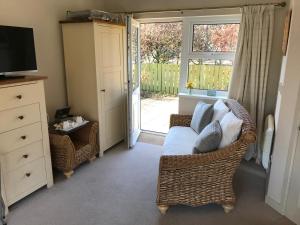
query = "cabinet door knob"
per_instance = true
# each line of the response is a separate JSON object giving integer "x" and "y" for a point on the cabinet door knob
{"x": 28, "y": 174}
{"x": 23, "y": 137}
{"x": 25, "y": 156}
{"x": 21, "y": 117}
{"x": 19, "y": 96}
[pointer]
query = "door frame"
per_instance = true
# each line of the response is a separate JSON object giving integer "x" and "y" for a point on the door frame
{"x": 295, "y": 137}
{"x": 150, "y": 21}
{"x": 290, "y": 189}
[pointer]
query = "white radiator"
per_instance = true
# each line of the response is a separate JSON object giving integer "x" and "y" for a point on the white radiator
{"x": 267, "y": 141}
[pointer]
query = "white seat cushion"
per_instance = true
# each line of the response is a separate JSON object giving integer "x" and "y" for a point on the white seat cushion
{"x": 179, "y": 141}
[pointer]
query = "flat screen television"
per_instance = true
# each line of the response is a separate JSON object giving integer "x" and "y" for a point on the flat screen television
{"x": 17, "y": 52}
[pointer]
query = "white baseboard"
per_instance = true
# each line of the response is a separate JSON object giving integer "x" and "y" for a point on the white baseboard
{"x": 275, "y": 205}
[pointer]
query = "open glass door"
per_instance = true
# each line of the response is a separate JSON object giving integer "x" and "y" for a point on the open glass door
{"x": 134, "y": 90}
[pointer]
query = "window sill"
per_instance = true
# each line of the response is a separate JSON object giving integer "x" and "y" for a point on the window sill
{"x": 199, "y": 96}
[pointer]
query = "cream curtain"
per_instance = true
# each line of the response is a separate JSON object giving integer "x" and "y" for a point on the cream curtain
{"x": 251, "y": 67}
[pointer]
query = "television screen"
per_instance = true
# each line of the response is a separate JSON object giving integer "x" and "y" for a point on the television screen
{"x": 17, "y": 52}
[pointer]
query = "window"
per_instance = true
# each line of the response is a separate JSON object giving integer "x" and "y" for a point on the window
{"x": 208, "y": 54}
{"x": 215, "y": 37}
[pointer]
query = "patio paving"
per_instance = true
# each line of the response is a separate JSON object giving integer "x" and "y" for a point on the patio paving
{"x": 155, "y": 113}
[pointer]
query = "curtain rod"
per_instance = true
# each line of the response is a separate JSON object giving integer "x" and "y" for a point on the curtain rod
{"x": 279, "y": 4}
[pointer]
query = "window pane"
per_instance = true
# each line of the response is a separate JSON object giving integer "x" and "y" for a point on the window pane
{"x": 160, "y": 58}
{"x": 210, "y": 74}
{"x": 215, "y": 37}
{"x": 135, "y": 66}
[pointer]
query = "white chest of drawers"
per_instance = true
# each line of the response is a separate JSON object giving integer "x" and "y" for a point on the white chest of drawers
{"x": 24, "y": 141}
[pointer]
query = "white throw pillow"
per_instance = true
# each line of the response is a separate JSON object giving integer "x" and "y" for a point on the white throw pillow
{"x": 231, "y": 127}
{"x": 220, "y": 109}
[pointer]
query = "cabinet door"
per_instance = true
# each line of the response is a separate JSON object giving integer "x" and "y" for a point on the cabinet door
{"x": 110, "y": 67}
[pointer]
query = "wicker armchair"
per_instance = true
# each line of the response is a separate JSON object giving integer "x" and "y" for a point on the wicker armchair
{"x": 69, "y": 151}
{"x": 200, "y": 179}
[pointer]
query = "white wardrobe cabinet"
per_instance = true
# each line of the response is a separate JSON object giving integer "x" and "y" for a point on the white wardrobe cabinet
{"x": 95, "y": 68}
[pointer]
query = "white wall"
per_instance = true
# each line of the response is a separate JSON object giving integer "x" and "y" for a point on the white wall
{"x": 43, "y": 16}
{"x": 287, "y": 117}
{"x": 187, "y": 103}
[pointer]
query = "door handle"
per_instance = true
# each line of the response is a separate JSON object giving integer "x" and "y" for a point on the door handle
{"x": 23, "y": 137}
{"x": 103, "y": 90}
{"x": 21, "y": 117}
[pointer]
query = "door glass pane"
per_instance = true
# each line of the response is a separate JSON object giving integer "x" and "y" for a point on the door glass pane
{"x": 215, "y": 37}
{"x": 210, "y": 74}
{"x": 135, "y": 49}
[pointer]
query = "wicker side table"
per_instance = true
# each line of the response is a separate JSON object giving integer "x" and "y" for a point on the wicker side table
{"x": 69, "y": 150}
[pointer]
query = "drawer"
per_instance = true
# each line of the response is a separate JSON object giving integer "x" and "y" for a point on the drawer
{"x": 20, "y": 137}
{"x": 24, "y": 155}
{"x": 19, "y": 117}
{"x": 25, "y": 179}
{"x": 12, "y": 97}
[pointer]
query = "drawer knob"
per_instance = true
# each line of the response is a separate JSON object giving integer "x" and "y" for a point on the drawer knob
{"x": 25, "y": 156}
{"x": 19, "y": 96}
{"x": 28, "y": 174}
{"x": 21, "y": 117}
{"x": 23, "y": 137}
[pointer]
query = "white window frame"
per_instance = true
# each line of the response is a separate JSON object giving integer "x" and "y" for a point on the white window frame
{"x": 187, "y": 48}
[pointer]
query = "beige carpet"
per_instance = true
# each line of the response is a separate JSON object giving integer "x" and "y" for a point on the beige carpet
{"x": 120, "y": 189}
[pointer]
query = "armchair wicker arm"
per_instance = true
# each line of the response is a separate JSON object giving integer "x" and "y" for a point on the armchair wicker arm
{"x": 62, "y": 152}
{"x": 180, "y": 120}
